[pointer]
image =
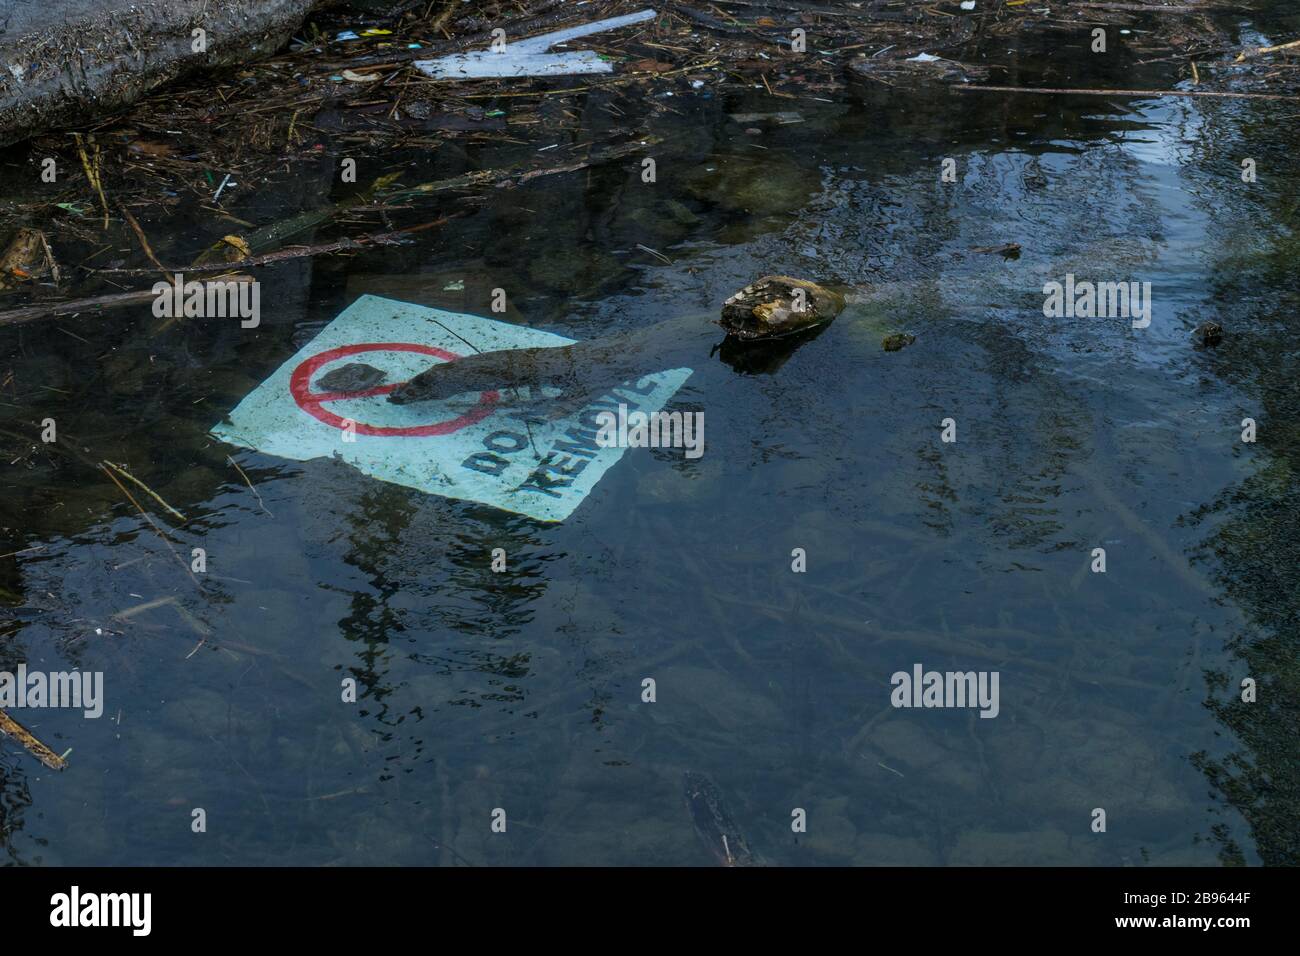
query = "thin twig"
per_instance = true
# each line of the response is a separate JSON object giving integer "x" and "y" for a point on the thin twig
{"x": 92, "y": 174}
{"x": 250, "y": 485}
{"x": 156, "y": 497}
{"x": 166, "y": 540}
{"x": 1260, "y": 51}
{"x": 144, "y": 242}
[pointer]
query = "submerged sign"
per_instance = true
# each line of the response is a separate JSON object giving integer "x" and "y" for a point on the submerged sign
{"x": 472, "y": 447}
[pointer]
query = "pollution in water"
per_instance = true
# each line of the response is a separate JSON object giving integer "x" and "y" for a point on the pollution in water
{"x": 621, "y": 434}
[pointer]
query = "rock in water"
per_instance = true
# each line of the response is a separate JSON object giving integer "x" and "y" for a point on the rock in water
{"x": 1208, "y": 334}
{"x": 26, "y": 257}
{"x": 779, "y": 305}
{"x": 899, "y": 340}
{"x": 353, "y": 377}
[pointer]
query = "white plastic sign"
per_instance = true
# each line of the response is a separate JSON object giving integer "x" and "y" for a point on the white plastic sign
{"x": 469, "y": 446}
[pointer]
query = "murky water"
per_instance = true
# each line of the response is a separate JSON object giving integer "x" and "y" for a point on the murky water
{"x": 522, "y": 690}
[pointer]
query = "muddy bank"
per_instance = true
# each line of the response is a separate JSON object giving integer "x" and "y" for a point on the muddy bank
{"x": 66, "y": 62}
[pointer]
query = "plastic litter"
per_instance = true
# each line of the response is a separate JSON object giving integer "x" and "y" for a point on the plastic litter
{"x": 469, "y": 448}
{"x": 472, "y": 66}
{"x": 354, "y": 35}
{"x": 529, "y": 57}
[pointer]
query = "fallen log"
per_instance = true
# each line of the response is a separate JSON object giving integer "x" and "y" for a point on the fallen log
{"x": 66, "y": 62}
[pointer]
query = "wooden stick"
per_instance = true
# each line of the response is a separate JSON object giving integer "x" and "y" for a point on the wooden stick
{"x": 166, "y": 540}
{"x": 144, "y": 242}
{"x": 93, "y": 304}
{"x": 292, "y": 252}
{"x": 1152, "y": 93}
{"x": 49, "y": 257}
{"x": 25, "y": 737}
{"x": 92, "y": 174}
{"x": 250, "y": 485}
{"x": 153, "y": 494}
{"x": 1176, "y": 562}
{"x": 1261, "y": 50}
{"x": 69, "y": 307}
{"x": 131, "y": 612}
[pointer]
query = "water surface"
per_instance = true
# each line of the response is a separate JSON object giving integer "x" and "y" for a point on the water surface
{"x": 522, "y": 690}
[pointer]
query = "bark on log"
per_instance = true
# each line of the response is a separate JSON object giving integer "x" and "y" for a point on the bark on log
{"x": 67, "y": 62}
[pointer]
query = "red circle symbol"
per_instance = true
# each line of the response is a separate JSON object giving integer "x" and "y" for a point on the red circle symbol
{"x": 313, "y": 403}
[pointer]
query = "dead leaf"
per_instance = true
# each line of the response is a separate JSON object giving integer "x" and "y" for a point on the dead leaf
{"x": 240, "y": 244}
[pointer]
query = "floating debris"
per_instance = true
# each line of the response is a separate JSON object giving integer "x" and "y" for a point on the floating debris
{"x": 28, "y": 256}
{"x": 25, "y": 737}
{"x": 779, "y": 305}
{"x": 529, "y": 57}
{"x": 1208, "y": 334}
{"x": 917, "y": 70}
{"x": 714, "y": 824}
{"x": 1009, "y": 250}
{"x": 124, "y": 473}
